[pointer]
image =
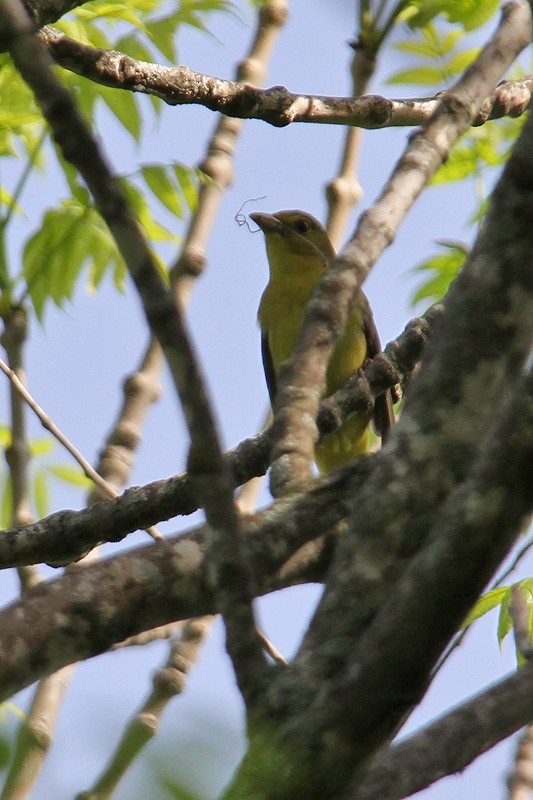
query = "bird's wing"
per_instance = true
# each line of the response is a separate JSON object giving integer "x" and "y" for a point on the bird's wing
{"x": 268, "y": 366}
{"x": 383, "y": 411}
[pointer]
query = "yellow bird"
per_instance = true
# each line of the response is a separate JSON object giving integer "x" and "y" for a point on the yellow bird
{"x": 299, "y": 253}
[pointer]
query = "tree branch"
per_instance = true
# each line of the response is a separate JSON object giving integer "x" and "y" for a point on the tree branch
{"x": 277, "y": 106}
{"x": 109, "y": 601}
{"x": 452, "y": 742}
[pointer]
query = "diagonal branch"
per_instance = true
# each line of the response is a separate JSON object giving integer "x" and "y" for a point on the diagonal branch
{"x": 452, "y": 742}
{"x": 207, "y": 468}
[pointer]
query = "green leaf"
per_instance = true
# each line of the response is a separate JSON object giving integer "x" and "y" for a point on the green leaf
{"x": 113, "y": 12}
{"x": 153, "y": 229}
{"x": 105, "y": 256}
{"x": 53, "y": 258}
{"x": 417, "y": 75}
{"x": 20, "y": 118}
{"x": 485, "y": 604}
{"x": 189, "y": 180}
{"x": 441, "y": 270}
{"x": 41, "y": 494}
{"x": 470, "y": 14}
{"x": 119, "y": 275}
{"x": 162, "y": 33}
{"x": 134, "y": 47}
{"x": 123, "y": 105}
{"x": 6, "y": 512}
{"x": 461, "y": 61}
{"x": 421, "y": 47}
{"x": 448, "y": 41}
{"x": 74, "y": 476}
{"x": 163, "y": 185}
{"x": 14, "y": 709}
{"x": 419, "y": 13}
{"x": 6, "y": 199}
{"x": 482, "y": 147}
{"x": 5, "y": 436}
{"x": 461, "y": 163}
{"x": 505, "y": 622}
{"x": 42, "y": 446}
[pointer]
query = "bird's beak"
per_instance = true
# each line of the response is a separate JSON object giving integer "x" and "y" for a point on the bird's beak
{"x": 267, "y": 222}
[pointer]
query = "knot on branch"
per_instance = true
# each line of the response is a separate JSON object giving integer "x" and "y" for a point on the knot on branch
{"x": 510, "y": 98}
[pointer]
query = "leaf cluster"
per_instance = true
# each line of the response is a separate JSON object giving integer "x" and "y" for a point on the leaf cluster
{"x": 71, "y": 236}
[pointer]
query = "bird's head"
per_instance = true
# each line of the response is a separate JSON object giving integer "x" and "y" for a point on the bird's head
{"x": 295, "y": 234}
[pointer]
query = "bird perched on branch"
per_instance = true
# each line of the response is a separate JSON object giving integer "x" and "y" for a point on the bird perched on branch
{"x": 299, "y": 253}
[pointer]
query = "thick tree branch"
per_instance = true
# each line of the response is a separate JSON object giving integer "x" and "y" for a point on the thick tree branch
{"x": 109, "y": 601}
{"x": 376, "y": 634}
{"x": 363, "y": 697}
{"x": 182, "y": 86}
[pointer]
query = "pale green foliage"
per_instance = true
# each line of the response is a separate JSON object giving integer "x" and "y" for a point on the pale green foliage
{"x": 68, "y": 237}
{"x": 72, "y": 235}
{"x": 434, "y": 41}
{"x": 71, "y": 239}
{"x": 438, "y": 271}
{"x": 470, "y": 14}
{"x": 154, "y": 29}
{"x": 486, "y": 603}
{"x": 18, "y": 112}
{"x": 439, "y": 58}
{"x": 479, "y": 153}
{"x": 502, "y": 596}
{"x": 42, "y": 469}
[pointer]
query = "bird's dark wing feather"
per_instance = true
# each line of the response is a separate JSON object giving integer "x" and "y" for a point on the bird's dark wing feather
{"x": 268, "y": 366}
{"x": 383, "y": 411}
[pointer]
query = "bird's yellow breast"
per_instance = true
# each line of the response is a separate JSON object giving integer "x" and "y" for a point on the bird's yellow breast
{"x": 281, "y": 314}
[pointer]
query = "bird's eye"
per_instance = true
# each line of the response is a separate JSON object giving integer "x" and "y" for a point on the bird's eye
{"x": 302, "y": 226}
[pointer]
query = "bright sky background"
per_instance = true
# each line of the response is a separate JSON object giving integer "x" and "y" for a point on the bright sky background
{"x": 77, "y": 361}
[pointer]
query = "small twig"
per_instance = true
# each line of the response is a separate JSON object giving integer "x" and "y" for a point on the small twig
{"x": 344, "y": 191}
{"x": 168, "y": 682}
{"x": 50, "y": 426}
{"x": 520, "y": 779}
{"x": 153, "y": 635}
{"x": 272, "y": 650}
